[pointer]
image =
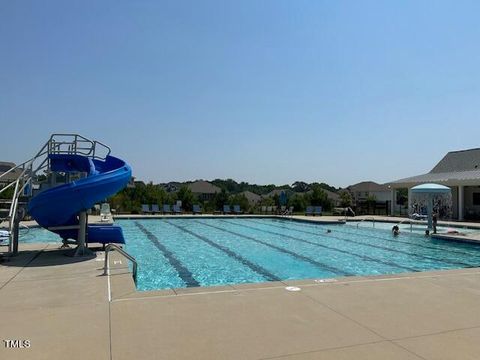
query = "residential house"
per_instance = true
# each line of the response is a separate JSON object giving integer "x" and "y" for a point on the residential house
{"x": 368, "y": 189}
{"x": 253, "y": 199}
{"x": 11, "y": 176}
{"x": 204, "y": 190}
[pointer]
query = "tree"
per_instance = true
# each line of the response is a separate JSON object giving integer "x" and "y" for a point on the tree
{"x": 300, "y": 186}
{"x": 298, "y": 202}
{"x": 318, "y": 197}
{"x": 345, "y": 198}
{"x": 240, "y": 199}
{"x": 220, "y": 199}
{"x": 185, "y": 195}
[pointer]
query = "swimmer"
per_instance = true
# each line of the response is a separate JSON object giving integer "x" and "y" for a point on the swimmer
{"x": 427, "y": 232}
{"x": 395, "y": 230}
{"x": 329, "y": 231}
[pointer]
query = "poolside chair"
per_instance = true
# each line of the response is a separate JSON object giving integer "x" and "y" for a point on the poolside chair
{"x": 283, "y": 208}
{"x": 288, "y": 211}
{"x": 155, "y": 209}
{"x": 264, "y": 209}
{"x": 237, "y": 210}
{"x": 146, "y": 209}
{"x": 167, "y": 209}
{"x": 226, "y": 209}
{"x": 196, "y": 209}
{"x": 317, "y": 211}
{"x": 269, "y": 209}
{"x": 274, "y": 209}
{"x": 309, "y": 210}
{"x": 177, "y": 209}
{"x": 105, "y": 213}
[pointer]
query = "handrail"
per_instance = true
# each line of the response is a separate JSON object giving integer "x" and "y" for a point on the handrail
{"x": 110, "y": 247}
{"x": 372, "y": 219}
{"x": 410, "y": 221}
{"x": 57, "y": 144}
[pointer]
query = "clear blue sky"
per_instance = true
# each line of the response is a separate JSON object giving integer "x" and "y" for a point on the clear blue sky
{"x": 260, "y": 91}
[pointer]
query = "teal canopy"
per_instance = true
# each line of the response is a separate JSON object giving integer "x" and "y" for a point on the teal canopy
{"x": 430, "y": 189}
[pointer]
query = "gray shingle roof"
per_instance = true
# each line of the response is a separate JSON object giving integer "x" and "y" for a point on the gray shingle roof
{"x": 11, "y": 176}
{"x": 203, "y": 187}
{"x": 251, "y": 197}
{"x": 368, "y": 186}
{"x": 441, "y": 177}
{"x": 463, "y": 160}
{"x": 456, "y": 167}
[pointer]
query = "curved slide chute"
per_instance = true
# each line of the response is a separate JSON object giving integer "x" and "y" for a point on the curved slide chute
{"x": 57, "y": 208}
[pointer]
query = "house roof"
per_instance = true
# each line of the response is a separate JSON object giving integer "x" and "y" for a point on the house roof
{"x": 251, "y": 197}
{"x": 463, "y": 160}
{"x": 456, "y": 168}
{"x": 369, "y": 186}
{"x": 11, "y": 176}
{"x": 330, "y": 194}
{"x": 203, "y": 187}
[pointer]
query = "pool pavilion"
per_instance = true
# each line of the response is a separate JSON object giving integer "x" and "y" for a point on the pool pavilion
{"x": 459, "y": 170}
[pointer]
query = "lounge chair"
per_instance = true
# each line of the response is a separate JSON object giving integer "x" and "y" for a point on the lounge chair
{"x": 167, "y": 209}
{"x": 309, "y": 210}
{"x": 146, "y": 209}
{"x": 274, "y": 209}
{"x": 105, "y": 213}
{"x": 269, "y": 209}
{"x": 237, "y": 210}
{"x": 177, "y": 209}
{"x": 317, "y": 211}
{"x": 264, "y": 209}
{"x": 226, "y": 209}
{"x": 155, "y": 209}
{"x": 288, "y": 211}
{"x": 196, "y": 209}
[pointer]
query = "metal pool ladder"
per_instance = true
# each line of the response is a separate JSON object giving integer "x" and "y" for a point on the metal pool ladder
{"x": 124, "y": 253}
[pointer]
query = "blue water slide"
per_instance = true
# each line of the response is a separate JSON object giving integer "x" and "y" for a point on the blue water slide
{"x": 57, "y": 208}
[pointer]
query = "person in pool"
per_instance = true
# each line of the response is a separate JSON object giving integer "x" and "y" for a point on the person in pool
{"x": 395, "y": 230}
{"x": 434, "y": 222}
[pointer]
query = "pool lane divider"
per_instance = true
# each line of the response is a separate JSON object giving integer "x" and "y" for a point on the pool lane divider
{"x": 456, "y": 263}
{"x": 447, "y": 261}
{"x": 183, "y": 272}
{"x": 362, "y": 257}
{"x": 318, "y": 264}
{"x": 254, "y": 267}
{"x": 440, "y": 247}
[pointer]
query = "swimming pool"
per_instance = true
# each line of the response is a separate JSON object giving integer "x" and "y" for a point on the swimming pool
{"x": 176, "y": 253}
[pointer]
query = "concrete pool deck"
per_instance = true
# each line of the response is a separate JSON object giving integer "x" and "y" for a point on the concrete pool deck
{"x": 66, "y": 308}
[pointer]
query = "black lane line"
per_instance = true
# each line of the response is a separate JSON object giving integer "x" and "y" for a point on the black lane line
{"x": 363, "y": 257}
{"x": 364, "y": 244}
{"x": 182, "y": 271}
{"x": 440, "y": 247}
{"x": 254, "y": 267}
{"x": 452, "y": 262}
{"x": 285, "y": 251}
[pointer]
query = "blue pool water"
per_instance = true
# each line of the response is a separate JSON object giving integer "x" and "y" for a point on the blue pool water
{"x": 175, "y": 253}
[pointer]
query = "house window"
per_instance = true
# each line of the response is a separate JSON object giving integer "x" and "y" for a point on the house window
{"x": 476, "y": 199}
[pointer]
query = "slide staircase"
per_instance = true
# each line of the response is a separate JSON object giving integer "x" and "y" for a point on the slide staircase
{"x": 66, "y": 178}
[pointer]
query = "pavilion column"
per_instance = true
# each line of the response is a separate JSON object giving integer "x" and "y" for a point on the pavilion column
{"x": 461, "y": 191}
{"x": 393, "y": 198}
{"x": 409, "y": 210}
